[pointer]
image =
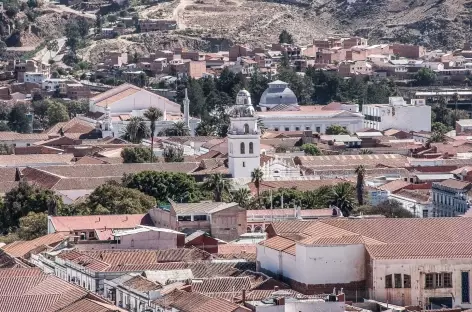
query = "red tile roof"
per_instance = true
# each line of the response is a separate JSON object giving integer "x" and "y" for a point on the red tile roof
{"x": 221, "y": 284}
{"x": 278, "y": 243}
{"x": 77, "y": 223}
{"x": 394, "y": 186}
{"x": 224, "y": 249}
{"x": 300, "y": 185}
{"x": 421, "y": 251}
{"x": 23, "y": 248}
{"x": 28, "y": 290}
{"x": 88, "y": 305}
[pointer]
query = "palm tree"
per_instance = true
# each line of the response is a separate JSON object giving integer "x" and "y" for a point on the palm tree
{"x": 178, "y": 129}
{"x": 360, "y": 171}
{"x": 260, "y": 125}
{"x": 153, "y": 114}
{"x": 205, "y": 128}
{"x": 365, "y": 151}
{"x": 342, "y": 196}
{"x": 257, "y": 177}
{"x": 241, "y": 196}
{"x": 218, "y": 185}
{"x": 136, "y": 130}
{"x": 455, "y": 98}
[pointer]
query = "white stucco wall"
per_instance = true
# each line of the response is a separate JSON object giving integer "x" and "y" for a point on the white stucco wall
{"x": 406, "y": 118}
{"x": 281, "y": 122}
{"x": 148, "y": 240}
{"x": 417, "y": 268}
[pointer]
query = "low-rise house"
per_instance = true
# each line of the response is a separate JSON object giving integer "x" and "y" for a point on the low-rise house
{"x": 225, "y": 221}
{"x": 156, "y": 24}
{"x": 77, "y": 91}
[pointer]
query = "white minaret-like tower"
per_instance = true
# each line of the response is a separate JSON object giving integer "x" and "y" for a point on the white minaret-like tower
{"x": 187, "y": 110}
{"x": 107, "y": 126}
{"x": 244, "y": 142}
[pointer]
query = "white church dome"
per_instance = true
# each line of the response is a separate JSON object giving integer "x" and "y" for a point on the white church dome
{"x": 278, "y": 93}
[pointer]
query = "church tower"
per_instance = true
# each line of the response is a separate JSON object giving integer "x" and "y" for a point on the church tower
{"x": 244, "y": 142}
{"x": 186, "y": 103}
{"x": 107, "y": 126}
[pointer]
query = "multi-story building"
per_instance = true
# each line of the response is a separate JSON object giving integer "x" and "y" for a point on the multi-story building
{"x": 408, "y": 51}
{"x": 35, "y": 77}
{"x": 354, "y": 68}
{"x": 398, "y": 114}
{"x": 450, "y": 198}
{"x": 53, "y": 84}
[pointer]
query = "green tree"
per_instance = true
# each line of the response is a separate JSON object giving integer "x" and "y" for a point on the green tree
{"x": 439, "y": 127}
{"x": 57, "y": 112}
{"x": 153, "y": 114}
{"x": 336, "y": 130}
{"x": 136, "y": 130}
{"x": 112, "y": 198}
{"x": 311, "y": 149}
{"x": 18, "y": 120}
{"x": 257, "y": 176}
{"x": 73, "y": 35}
{"x": 84, "y": 26}
{"x": 112, "y": 18}
{"x": 33, "y": 225}
{"x": 342, "y": 196}
{"x": 98, "y": 23}
{"x": 218, "y": 185}
{"x": 23, "y": 199}
{"x": 3, "y": 47}
{"x": 365, "y": 151}
{"x": 437, "y": 137}
{"x": 136, "y": 154}
{"x": 455, "y": 99}
{"x": 425, "y": 77}
{"x": 178, "y": 129}
{"x": 390, "y": 208}
{"x": 179, "y": 187}
{"x": 360, "y": 171}
{"x": 285, "y": 37}
{"x": 173, "y": 154}
{"x": 242, "y": 196}
{"x": 206, "y": 128}
{"x": 77, "y": 107}
{"x": 4, "y": 126}
{"x": 6, "y": 149}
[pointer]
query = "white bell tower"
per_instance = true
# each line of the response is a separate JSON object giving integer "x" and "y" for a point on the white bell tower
{"x": 107, "y": 126}
{"x": 244, "y": 142}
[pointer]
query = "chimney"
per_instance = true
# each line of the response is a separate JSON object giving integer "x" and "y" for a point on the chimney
{"x": 276, "y": 288}
{"x": 244, "y": 296}
{"x": 280, "y": 301}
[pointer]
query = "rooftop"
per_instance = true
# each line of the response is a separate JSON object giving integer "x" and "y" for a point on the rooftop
{"x": 455, "y": 184}
{"x": 202, "y": 207}
{"x": 76, "y": 223}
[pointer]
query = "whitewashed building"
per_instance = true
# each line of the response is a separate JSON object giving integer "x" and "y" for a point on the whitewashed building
{"x": 398, "y": 114}
{"x": 416, "y": 261}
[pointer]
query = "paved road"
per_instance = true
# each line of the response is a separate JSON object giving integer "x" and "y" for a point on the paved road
{"x": 44, "y": 55}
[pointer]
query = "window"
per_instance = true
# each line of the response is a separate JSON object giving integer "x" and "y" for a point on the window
{"x": 200, "y": 218}
{"x": 276, "y": 129}
{"x": 318, "y": 129}
{"x": 425, "y": 213}
{"x": 438, "y": 280}
{"x": 287, "y": 129}
{"x": 406, "y": 281}
{"x": 307, "y": 128}
{"x": 388, "y": 281}
{"x": 246, "y": 128}
{"x": 297, "y": 128}
{"x": 243, "y": 148}
{"x": 244, "y": 164}
{"x": 429, "y": 280}
{"x": 27, "y": 144}
{"x": 132, "y": 243}
{"x": 251, "y": 148}
{"x": 184, "y": 218}
{"x": 398, "y": 280}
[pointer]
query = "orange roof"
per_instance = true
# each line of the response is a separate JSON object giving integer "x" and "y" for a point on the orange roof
{"x": 224, "y": 249}
{"x": 22, "y": 248}
{"x": 421, "y": 251}
{"x": 394, "y": 186}
{"x": 76, "y": 223}
{"x": 278, "y": 243}
{"x": 88, "y": 305}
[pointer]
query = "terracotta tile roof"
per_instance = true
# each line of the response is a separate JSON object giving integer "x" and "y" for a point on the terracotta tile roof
{"x": 14, "y": 136}
{"x": 117, "y": 170}
{"x": 209, "y": 155}
{"x": 40, "y": 177}
{"x": 455, "y": 184}
{"x": 73, "y": 128}
{"x": 8, "y": 174}
{"x": 9, "y": 262}
{"x": 394, "y": 186}
{"x": 21, "y": 290}
{"x": 278, "y": 243}
{"x": 77, "y": 223}
{"x": 88, "y": 305}
{"x": 201, "y": 207}
{"x": 142, "y": 284}
{"x": 387, "y": 160}
{"x": 301, "y": 185}
{"x": 417, "y": 195}
{"x": 89, "y": 160}
{"x": 35, "y": 160}
{"x": 82, "y": 183}
{"x": 23, "y": 248}
{"x": 5, "y": 187}
{"x": 448, "y": 250}
{"x": 414, "y": 230}
{"x": 284, "y": 213}
{"x": 195, "y": 302}
{"x": 287, "y": 228}
{"x": 84, "y": 260}
{"x": 224, "y": 249}
{"x": 203, "y": 269}
{"x": 221, "y": 284}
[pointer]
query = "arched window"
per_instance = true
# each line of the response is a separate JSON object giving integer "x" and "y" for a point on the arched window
{"x": 246, "y": 128}
{"x": 251, "y": 148}
{"x": 245, "y": 101}
{"x": 243, "y": 148}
